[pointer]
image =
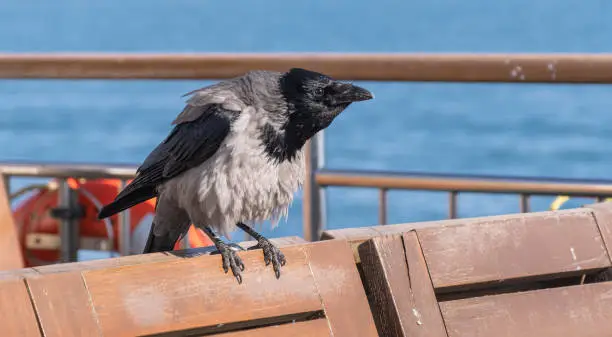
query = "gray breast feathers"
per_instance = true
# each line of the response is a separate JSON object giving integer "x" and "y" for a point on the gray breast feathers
{"x": 239, "y": 183}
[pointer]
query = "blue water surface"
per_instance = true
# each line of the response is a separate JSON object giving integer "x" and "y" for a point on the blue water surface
{"x": 524, "y": 130}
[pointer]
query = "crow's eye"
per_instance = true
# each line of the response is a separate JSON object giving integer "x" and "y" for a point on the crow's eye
{"x": 318, "y": 92}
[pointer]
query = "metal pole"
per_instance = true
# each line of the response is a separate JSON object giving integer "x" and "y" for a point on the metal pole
{"x": 524, "y": 203}
{"x": 125, "y": 234}
{"x": 452, "y": 204}
{"x": 7, "y": 184}
{"x": 69, "y": 225}
{"x": 314, "y": 210}
{"x": 382, "y": 206}
{"x": 321, "y": 195}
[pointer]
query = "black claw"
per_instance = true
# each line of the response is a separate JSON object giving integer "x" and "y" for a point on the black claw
{"x": 239, "y": 262}
{"x": 232, "y": 261}
{"x": 272, "y": 255}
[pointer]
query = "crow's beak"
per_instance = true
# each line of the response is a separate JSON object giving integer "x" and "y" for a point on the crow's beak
{"x": 348, "y": 93}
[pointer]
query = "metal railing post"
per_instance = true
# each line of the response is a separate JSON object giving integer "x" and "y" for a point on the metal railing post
{"x": 314, "y": 210}
{"x": 382, "y": 206}
{"x": 7, "y": 183}
{"x": 125, "y": 234}
{"x": 524, "y": 203}
{"x": 69, "y": 225}
{"x": 452, "y": 204}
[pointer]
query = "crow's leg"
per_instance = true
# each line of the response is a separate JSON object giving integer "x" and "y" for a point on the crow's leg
{"x": 270, "y": 251}
{"x": 231, "y": 260}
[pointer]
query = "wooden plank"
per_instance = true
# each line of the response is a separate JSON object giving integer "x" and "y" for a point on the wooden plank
{"x": 354, "y": 236}
{"x": 602, "y": 212}
{"x": 340, "y": 288}
{"x": 314, "y": 328}
{"x": 17, "y": 274}
{"x": 357, "y": 236}
{"x": 603, "y": 217}
{"x": 532, "y": 245}
{"x": 404, "y": 303}
{"x": 10, "y": 250}
{"x": 192, "y": 293}
{"x": 63, "y": 306}
{"x": 104, "y": 263}
{"x": 570, "y": 311}
{"x": 149, "y": 258}
{"x": 538, "y": 68}
{"x": 18, "y": 317}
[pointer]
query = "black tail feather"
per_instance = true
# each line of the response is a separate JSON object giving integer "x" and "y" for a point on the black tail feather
{"x": 126, "y": 201}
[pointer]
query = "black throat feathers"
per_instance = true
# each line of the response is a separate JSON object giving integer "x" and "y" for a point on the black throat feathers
{"x": 283, "y": 144}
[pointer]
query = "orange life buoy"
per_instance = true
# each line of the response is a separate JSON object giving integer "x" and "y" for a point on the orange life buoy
{"x": 34, "y": 221}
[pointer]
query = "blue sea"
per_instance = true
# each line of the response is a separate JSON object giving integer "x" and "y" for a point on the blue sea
{"x": 494, "y": 129}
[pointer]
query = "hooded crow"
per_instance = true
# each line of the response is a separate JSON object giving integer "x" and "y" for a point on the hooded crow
{"x": 235, "y": 158}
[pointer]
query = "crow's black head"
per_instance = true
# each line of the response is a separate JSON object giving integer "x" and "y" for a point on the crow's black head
{"x": 313, "y": 101}
{"x": 317, "y": 99}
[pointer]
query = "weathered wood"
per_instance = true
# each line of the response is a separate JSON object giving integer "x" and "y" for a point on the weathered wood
{"x": 18, "y": 317}
{"x": 10, "y": 250}
{"x": 161, "y": 294}
{"x": 193, "y": 294}
{"x": 62, "y": 305}
{"x": 513, "y": 248}
{"x": 132, "y": 259}
{"x": 340, "y": 289}
{"x": 357, "y": 236}
{"x": 603, "y": 217}
{"x": 602, "y": 212}
{"x": 104, "y": 263}
{"x": 570, "y": 311}
{"x": 546, "y": 68}
{"x": 17, "y": 274}
{"x": 404, "y": 303}
{"x": 314, "y": 328}
{"x": 153, "y": 257}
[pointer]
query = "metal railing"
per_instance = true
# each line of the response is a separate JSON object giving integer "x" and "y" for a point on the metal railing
{"x": 493, "y": 68}
{"x": 68, "y": 230}
{"x": 314, "y": 207}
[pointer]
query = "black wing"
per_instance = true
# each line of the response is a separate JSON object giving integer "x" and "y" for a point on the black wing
{"x": 188, "y": 145}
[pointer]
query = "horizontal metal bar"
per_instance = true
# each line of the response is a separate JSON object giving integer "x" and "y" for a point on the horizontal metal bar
{"x": 419, "y": 67}
{"x": 459, "y": 183}
{"x": 68, "y": 170}
{"x": 373, "y": 179}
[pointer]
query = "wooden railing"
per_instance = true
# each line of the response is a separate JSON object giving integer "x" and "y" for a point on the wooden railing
{"x": 499, "y": 68}
{"x": 540, "y": 68}
{"x": 543, "y": 274}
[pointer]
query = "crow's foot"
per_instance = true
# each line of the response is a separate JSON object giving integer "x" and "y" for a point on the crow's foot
{"x": 271, "y": 253}
{"x": 230, "y": 257}
{"x": 231, "y": 260}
